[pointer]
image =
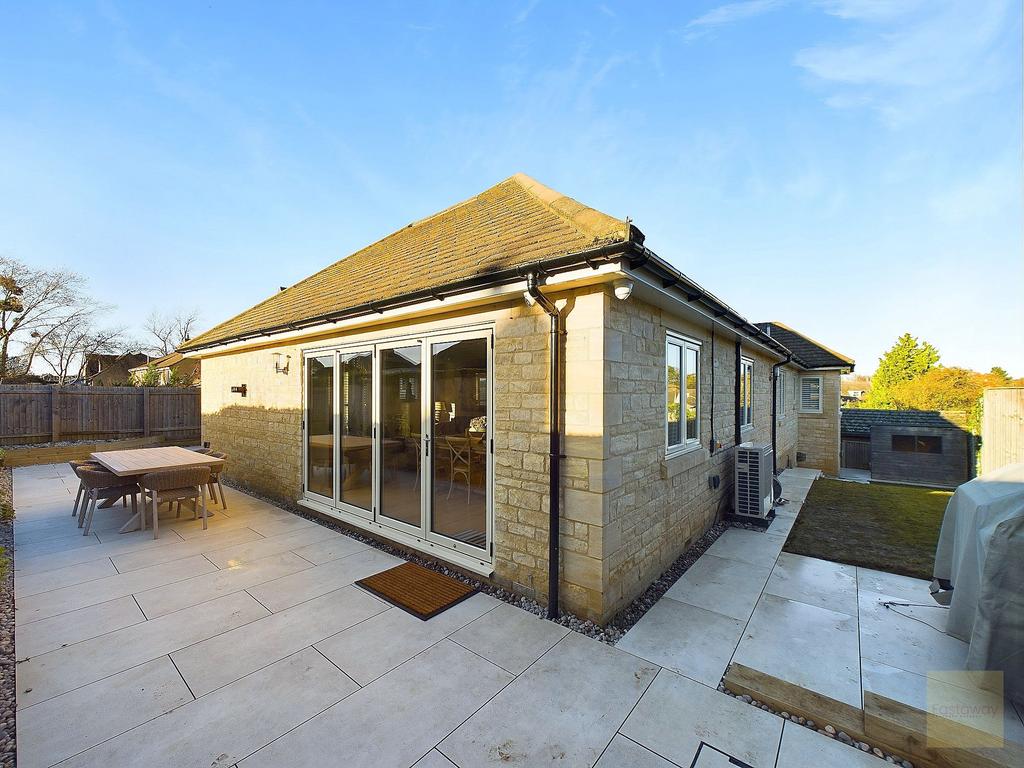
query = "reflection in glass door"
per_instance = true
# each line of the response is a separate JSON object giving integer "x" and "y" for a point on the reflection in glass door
{"x": 401, "y": 442}
{"x": 320, "y": 425}
{"x": 458, "y": 393}
{"x": 355, "y": 395}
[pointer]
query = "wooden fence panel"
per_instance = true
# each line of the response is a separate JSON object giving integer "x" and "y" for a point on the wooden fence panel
{"x": 1002, "y": 428}
{"x": 38, "y": 414}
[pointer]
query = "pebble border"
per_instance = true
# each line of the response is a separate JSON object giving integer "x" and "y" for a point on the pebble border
{"x": 8, "y": 722}
{"x": 827, "y": 730}
{"x": 610, "y": 634}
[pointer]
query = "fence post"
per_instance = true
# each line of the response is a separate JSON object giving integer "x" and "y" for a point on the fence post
{"x": 145, "y": 411}
{"x": 54, "y": 413}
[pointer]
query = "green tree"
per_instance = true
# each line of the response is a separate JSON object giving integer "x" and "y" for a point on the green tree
{"x": 1000, "y": 374}
{"x": 908, "y": 359}
{"x": 150, "y": 377}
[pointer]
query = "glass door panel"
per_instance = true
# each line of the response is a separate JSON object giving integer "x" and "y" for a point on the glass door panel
{"x": 458, "y": 395}
{"x": 355, "y": 395}
{"x": 401, "y": 440}
{"x": 320, "y": 425}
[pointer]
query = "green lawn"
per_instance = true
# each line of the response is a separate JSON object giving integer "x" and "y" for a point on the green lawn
{"x": 890, "y": 528}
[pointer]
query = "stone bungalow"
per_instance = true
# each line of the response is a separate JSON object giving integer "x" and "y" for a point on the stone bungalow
{"x": 406, "y": 391}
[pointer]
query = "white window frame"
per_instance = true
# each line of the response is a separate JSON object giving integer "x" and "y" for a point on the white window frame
{"x": 686, "y": 443}
{"x": 821, "y": 394}
{"x": 747, "y": 363}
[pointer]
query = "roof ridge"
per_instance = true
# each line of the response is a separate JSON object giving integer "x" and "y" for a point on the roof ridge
{"x": 582, "y": 219}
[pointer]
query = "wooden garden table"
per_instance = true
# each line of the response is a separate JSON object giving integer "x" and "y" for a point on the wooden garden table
{"x": 143, "y": 460}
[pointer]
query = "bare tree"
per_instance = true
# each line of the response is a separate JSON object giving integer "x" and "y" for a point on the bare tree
{"x": 34, "y": 303}
{"x": 169, "y": 331}
{"x": 65, "y": 348}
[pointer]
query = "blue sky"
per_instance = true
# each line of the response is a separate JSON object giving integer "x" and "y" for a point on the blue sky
{"x": 849, "y": 167}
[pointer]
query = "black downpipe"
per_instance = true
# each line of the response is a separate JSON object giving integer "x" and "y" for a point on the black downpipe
{"x": 738, "y": 374}
{"x": 775, "y": 408}
{"x": 554, "y": 439}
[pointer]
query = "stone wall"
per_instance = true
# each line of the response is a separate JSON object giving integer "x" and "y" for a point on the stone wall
{"x": 819, "y": 433}
{"x": 662, "y": 505}
{"x": 261, "y": 432}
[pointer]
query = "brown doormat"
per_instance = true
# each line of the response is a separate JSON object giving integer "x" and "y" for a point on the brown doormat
{"x": 420, "y": 591}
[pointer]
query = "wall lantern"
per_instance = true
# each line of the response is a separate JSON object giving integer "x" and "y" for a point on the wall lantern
{"x": 278, "y": 368}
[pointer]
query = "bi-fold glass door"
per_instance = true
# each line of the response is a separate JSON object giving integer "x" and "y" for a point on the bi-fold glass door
{"x": 398, "y": 433}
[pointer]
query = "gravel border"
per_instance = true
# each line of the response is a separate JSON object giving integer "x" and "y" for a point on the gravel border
{"x": 8, "y": 730}
{"x": 609, "y": 634}
{"x": 825, "y": 730}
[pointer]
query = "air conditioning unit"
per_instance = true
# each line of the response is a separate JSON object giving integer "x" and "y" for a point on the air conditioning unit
{"x": 754, "y": 480}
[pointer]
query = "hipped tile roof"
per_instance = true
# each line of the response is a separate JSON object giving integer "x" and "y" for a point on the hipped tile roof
{"x": 513, "y": 224}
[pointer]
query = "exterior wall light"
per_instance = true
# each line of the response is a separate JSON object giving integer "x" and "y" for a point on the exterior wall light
{"x": 278, "y": 368}
{"x": 623, "y": 289}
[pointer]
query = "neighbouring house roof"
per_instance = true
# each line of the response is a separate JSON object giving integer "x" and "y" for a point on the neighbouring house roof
{"x": 167, "y": 361}
{"x": 859, "y": 421}
{"x": 516, "y": 223}
{"x": 811, "y": 353}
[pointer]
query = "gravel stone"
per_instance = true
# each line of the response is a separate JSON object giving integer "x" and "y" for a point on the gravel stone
{"x": 8, "y": 722}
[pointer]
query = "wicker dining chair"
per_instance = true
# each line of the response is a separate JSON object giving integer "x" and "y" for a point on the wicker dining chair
{"x": 102, "y": 485}
{"x": 215, "y": 479}
{"x": 174, "y": 485}
{"x": 75, "y": 466}
{"x": 461, "y": 464}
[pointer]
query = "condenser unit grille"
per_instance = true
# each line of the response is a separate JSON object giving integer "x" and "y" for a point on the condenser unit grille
{"x": 753, "y": 479}
{"x": 748, "y": 501}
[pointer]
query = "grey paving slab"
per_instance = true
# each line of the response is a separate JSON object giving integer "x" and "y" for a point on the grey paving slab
{"x": 46, "y": 635}
{"x": 375, "y": 646}
{"x": 801, "y": 747}
{"x": 803, "y": 644}
{"x": 815, "y": 582}
{"x": 226, "y": 557}
{"x": 277, "y": 526}
{"x": 434, "y": 759}
{"x": 46, "y": 604}
{"x": 908, "y": 637}
{"x": 395, "y": 720}
{"x": 129, "y": 542}
{"x": 283, "y": 593}
{"x": 212, "y": 542}
{"x": 510, "y": 637}
{"x": 54, "y": 673}
{"x": 686, "y": 639}
{"x": 61, "y": 544}
{"x": 725, "y": 586}
{"x": 904, "y": 588}
{"x": 220, "y": 660}
{"x": 249, "y": 573}
{"x": 747, "y": 546}
{"x": 564, "y": 709}
{"x": 65, "y": 725}
{"x": 676, "y": 714}
{"x": 32, "y": 584}
{"x": 332, "y": 549}
{"x": 623, "y": 752}
{"x": 68, "y": 531}
{"x": 222, "y": 728}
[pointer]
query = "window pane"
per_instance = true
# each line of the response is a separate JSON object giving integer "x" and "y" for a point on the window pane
{"x": 459, "y": 458}
{"x": 320, "y": 425}
{"x": 673, "y": 358}
{"x": 356, "y": 379}
{"x": 692, "y": 379}
{"x": 401, "y": 436}
{"x": 905, "y": 443}
{"x": 929, "y": 444}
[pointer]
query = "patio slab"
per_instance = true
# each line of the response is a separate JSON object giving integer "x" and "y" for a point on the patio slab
{"x": 677, "y": 714}
{"x": 716, "y": 584}
{"x": 816, "y": 582}
{"x": 39, "y": 637}
{"x": 623, "y": 752}
{"x": 752, "y": 547}
{"x": 490, "y": 636}
{"x": 801, "y": 747}
{"x": 686, "y": 639}
{"x": 564, "y": 709}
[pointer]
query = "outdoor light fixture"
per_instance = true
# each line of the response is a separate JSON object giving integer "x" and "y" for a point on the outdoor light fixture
{"x": 623, "y": 289}
{"x": 278, "y": 368}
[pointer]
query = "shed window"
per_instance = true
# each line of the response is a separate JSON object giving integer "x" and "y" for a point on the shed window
{"x": 746, "y": 392}
{"x": 917, "y": 443}
{"x": 810, "y": 394}
{"x": 682, "y": 387}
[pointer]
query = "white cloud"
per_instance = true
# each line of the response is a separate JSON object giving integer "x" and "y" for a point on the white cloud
{"x": 902, "y": 66}
{"x": 730, "y": 13}
{"x": 992, "y": 194}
